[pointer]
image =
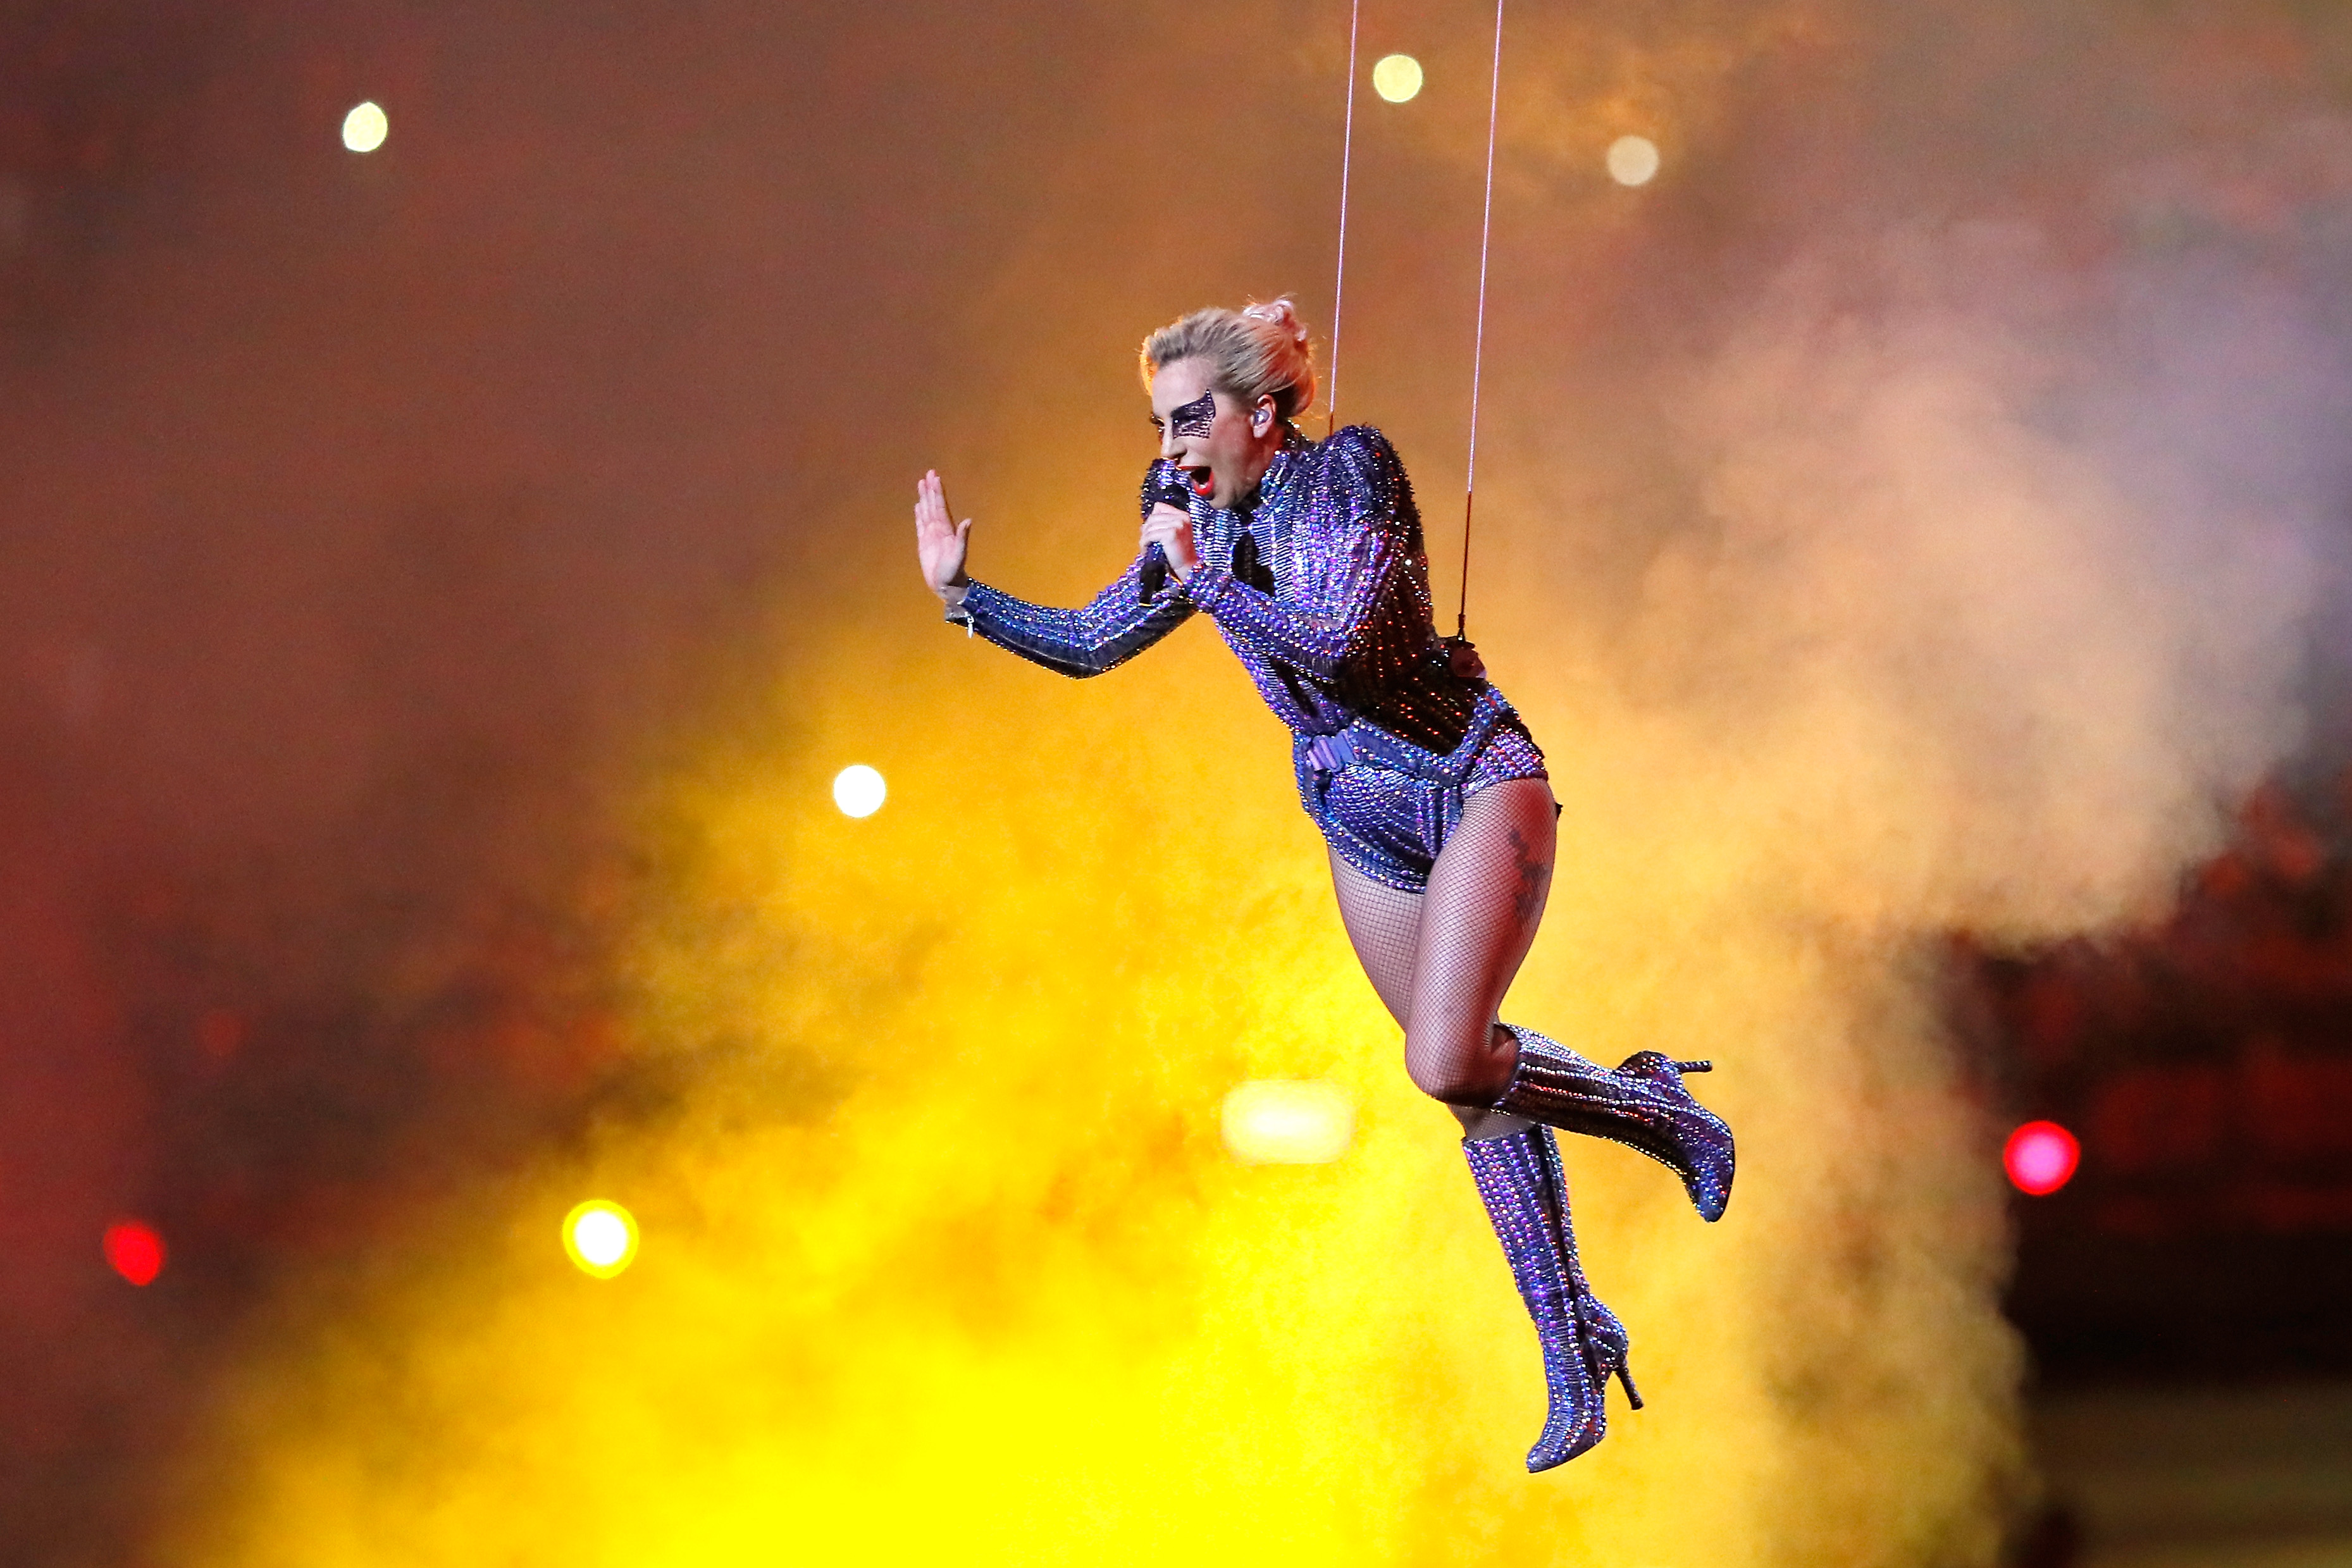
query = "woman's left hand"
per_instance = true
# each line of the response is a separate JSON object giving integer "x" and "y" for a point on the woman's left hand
{"x": 1170, "y": 527}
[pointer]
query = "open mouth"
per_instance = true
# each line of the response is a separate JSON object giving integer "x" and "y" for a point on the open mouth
{"x": 1202, "y": 480}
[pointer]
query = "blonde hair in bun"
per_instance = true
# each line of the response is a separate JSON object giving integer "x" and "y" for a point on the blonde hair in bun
{"x": 1259, "y": 350}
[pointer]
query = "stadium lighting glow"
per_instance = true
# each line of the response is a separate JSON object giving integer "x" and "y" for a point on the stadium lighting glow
{"x": 1289, "y": 1122}
{"x": 365, "y": 127}
{"x": 2040, "y": 1158}
{"x": 600, "y": 1238}
{"x": 859, "y": 790}
{"x": 1633, "y": 159}
{"x": 1397, "y": 78}
{"x": 134, "y": 1250}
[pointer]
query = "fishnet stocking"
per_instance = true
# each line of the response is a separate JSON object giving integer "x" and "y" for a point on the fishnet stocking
{"x": 1384, "y": 927}
{"x": 1441, "y": 960}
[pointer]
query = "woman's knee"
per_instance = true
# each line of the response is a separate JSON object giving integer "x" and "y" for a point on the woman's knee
{"x": 1456, "y": 1070}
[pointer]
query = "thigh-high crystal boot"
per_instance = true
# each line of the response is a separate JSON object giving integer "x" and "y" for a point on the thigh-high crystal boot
{"x": 1583, "y": 1342}
{"x": 1643, "y": 1105}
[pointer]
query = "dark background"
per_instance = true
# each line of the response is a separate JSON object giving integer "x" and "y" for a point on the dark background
{"x": 2206, "y": 1065}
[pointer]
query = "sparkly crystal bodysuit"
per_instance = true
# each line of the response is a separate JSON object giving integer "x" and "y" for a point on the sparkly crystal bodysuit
{"x": 1320, "y": 583}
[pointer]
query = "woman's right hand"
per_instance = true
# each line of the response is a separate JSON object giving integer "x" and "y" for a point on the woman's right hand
{"x": 938, "y": 543}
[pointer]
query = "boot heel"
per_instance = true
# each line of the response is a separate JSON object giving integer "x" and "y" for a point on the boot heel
{"x": 1633, "y": 1395}
{"x": 1694, "y": 1066}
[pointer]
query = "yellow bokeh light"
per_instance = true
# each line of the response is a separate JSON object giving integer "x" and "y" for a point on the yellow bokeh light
{"x": 1289, "y": 1122}
{"x": 1633, "y": 159}
{"x": 1397, "y": 78}
{"x": 859, "y": 790}
{"x": 365, "y": 127}
{"x": 600, "y": 1237}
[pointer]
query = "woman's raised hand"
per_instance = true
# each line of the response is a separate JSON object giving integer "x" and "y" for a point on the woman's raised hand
{"x": 938, "y": 543}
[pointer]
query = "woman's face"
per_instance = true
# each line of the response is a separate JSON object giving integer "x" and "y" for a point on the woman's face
{"x": 1224, "y": 447}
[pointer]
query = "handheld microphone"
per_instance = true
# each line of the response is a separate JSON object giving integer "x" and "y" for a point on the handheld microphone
{"x": 1152, "y": 576}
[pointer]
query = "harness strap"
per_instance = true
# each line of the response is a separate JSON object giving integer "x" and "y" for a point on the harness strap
{"x": 1368, "y": 744}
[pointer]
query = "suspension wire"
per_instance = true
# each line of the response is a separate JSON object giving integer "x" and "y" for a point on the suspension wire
{"x": 1478, "y": 343}
{"x": 1340, "y": 282}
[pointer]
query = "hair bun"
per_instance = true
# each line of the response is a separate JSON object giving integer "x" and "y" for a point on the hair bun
{"x": 1280, "y": 312}
{"x": 1259, "y": 350}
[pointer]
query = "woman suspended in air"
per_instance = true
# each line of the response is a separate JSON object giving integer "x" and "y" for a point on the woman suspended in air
{"x": 1430, "y": 793}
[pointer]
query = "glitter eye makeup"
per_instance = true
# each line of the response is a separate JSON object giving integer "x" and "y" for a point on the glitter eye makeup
{"x": 1195, "y": 417}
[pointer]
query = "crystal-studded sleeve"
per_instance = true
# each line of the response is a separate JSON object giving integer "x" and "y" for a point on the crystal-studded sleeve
{"x": 1113, "y": 627}
{"x": 1361, "y": 618}
{"x": 1110, "y": 629}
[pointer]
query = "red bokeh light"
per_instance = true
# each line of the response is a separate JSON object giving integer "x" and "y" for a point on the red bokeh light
{"x": 134, "y": 1250}
{"x": 2040, "y": 1158}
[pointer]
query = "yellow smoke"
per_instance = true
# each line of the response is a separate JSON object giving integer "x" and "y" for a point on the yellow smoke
{"x": 942, "y": 1260}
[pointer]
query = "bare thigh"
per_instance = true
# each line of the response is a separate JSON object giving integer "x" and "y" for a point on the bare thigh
{"x": 1479, "y": 918}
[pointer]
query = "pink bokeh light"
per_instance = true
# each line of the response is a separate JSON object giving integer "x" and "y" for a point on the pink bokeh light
{"x": 2040, "y": 1158}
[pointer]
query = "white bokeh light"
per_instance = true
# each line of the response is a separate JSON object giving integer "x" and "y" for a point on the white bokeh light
{"x": 600, "y": 1238}
{"x": 859, "y": 790}
{"x": 364, "y": 128}
{"x": 1289, "y": 1122}
{"x": 1633, "y": 159}
{"x": 1397, "y": 78}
